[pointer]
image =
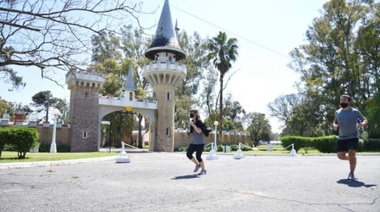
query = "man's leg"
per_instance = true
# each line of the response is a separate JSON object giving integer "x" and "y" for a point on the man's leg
{"x": 352, "y": 159}
{"x": 342, "y": 155}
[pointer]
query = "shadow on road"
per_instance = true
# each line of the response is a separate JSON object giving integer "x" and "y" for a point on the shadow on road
{"x": 355, "y": 183}
{"x": 184, "y": 177}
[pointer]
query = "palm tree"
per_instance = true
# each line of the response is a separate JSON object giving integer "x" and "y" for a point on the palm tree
{"x": 223, "y": 51}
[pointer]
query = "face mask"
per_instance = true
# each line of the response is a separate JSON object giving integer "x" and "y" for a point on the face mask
{"x": 343, "y": 105}
{"x": 191, "y": 115}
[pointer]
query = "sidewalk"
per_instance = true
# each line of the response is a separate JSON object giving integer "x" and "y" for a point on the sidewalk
{"x": 165, "y": 182}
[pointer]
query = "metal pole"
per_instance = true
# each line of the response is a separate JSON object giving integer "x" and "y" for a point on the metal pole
{"x": 53, "y": 146}
{"x": 216, "y": 134}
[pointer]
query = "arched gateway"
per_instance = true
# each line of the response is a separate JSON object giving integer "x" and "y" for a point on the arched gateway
{"x": 164, "y": 73}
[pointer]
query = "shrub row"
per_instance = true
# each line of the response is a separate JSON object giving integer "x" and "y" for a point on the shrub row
{"x": 19, "y": 138}
{"x": 327, "y": 144}
{"x": 60, "y": 148}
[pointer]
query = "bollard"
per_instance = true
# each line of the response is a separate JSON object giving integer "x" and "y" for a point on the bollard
{"x": 293, "y": 152}
{"x": 123, "y": 157}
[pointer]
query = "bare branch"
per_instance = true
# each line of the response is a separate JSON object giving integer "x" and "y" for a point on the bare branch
{"x": 57, "y": 34}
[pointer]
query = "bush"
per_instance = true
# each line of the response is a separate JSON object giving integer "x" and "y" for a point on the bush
{"x": 298, "y": 141}
{"x": 182, "y": 149}
{"x": 60, "y": 148}
{"x": 3, "y": 138}
{"x": 18, "y": 138}
{"x": 44, "y": 147}
{"x": 63, "y": 148}
{"x": 9, "y": 147}
{"x": 372, "y": 144}
{"x": 325, "y": 144}
{"x": 23, "y": 138}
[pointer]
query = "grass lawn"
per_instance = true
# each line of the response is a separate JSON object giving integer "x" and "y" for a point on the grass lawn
{"x": 11, "y": 157}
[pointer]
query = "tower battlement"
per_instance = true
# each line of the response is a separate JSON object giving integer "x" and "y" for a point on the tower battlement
{"x": 84, "y": 79}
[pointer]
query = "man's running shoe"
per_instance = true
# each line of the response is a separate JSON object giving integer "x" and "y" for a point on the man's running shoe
{"x": 203, "y": 172}
{"x": 351, "y": 176}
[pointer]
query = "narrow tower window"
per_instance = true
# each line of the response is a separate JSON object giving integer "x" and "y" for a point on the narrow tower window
{"x": 167, "y": 132}
{"x": 168, "y": 96}
{"x": 130, "y": 96}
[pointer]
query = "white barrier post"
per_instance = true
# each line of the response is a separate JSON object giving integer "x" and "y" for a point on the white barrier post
{"x": 293, "y": 152}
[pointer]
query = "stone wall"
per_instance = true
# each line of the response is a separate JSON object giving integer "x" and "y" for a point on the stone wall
{"x": 46, "y": 134}
{"x": 62, "y": 135}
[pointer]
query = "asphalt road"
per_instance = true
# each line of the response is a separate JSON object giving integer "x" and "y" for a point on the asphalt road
{"x": 166, "y": 182}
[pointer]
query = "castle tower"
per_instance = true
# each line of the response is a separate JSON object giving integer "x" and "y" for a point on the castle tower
{"x": 83, "y": 118}
{"x": 164, "y": 74}
{"x": 130, "y": 86}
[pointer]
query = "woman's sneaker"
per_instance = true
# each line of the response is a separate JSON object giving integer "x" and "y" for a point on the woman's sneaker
{"x": 197, "y": 167}
{"x": 203, "y": 172}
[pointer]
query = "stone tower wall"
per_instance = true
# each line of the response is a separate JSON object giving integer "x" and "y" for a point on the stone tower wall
{"x": 165, "y": 117}
{"x": 84, "y": 119}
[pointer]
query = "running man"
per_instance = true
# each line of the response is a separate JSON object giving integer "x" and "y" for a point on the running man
{"x": 345, "y": 122}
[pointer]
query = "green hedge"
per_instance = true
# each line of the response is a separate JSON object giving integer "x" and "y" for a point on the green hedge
{"x": 298, "y": 141}
{"x": 60, "y": 148}
{"x": 22, "y": 139}
{"x": 327, "y": 144}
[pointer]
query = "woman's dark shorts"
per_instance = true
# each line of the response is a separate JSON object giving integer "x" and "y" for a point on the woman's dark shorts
{"x": 345, "y": 145}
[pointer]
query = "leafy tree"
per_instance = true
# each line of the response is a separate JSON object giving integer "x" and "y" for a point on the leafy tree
{"x": 196, "y": 62}
{"x": 63, "y": 107}
{"x": 43, "y": 100}
{"x": 341, "y": 56}
{"x": 223, "y": 51}
{"x": 259, "y": 127}
{"x": 208, "y": 97}
{"x": 300, "y": 115}
{"x": 282, "y": 107}
{"x": 234, "y": 112}
{"x": 373, "y": 113}
{"x": 6, "y": 107}
{"x": 55, "y": 33}
{"x": 105, "y": 47}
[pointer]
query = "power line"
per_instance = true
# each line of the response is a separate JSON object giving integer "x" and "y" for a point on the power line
{"x": 221, "y": 28}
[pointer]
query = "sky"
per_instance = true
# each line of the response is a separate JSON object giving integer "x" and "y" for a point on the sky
{"x": 266, "y": 32}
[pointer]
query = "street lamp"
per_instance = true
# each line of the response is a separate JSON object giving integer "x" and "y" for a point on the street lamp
{"x": 53, "y": 146}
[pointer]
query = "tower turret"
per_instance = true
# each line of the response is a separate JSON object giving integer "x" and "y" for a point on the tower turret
{"x": 164, "y": 74}
{"x": 84, "y": 92}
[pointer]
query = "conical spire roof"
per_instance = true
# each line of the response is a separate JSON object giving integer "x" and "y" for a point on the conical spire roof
{"x": 130, "y": 83}
{"x": 165, "y": 39}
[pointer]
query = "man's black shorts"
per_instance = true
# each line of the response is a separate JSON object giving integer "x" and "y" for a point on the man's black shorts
{"x": 345, "y": 145}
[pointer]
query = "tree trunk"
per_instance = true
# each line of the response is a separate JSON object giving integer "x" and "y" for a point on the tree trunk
{"x": 221, "y": 108}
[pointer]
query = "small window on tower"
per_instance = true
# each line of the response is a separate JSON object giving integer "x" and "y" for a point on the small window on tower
{"x": 167, "y": 132}
{"x": 168, "y": 96}
{"x": 85, "y": 135}
{"x": 130, "y": 96}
